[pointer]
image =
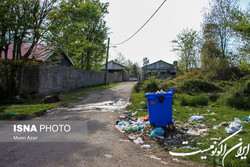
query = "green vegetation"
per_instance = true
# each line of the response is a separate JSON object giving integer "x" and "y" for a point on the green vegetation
{"x": 26, "y": 107}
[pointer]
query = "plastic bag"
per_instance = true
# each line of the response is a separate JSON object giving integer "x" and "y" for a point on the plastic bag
{"x": 138, "y": 141}
{"x": 157, "y": 132}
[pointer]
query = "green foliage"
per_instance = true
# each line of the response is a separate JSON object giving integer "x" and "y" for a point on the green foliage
{"x": 199, "y": 86}
{"x": 8, "y": 73}
{"x": 187, "y": 45}
{"x": 214, "y": 96}
{"x": 240, "y": 102}
{"x": 199, "y": 100}
{"x": 151, "y": 84}
{"x": 239, "y": 94}
{"x": 136, "y": 99}
{"x": 78, "y": 27}
{"x": 138, "y": 86}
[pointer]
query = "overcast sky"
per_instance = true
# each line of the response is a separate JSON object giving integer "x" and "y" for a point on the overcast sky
{"x": 154, "y": 40}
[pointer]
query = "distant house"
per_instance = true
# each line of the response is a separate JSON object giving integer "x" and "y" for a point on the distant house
{"x": 43, "y": 54}
{"x": 160, "y": 69}
{"x": 114, "y": 67}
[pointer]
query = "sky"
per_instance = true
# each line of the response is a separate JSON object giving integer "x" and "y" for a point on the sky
{"x": 154, "y": 40}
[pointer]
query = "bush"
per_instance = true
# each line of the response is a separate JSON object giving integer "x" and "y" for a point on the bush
{"x": 137, "y": 87}
{"x": 240, "y": 102}
{"x": 183, "y": 100}
{"x": 239, "y": 94}
{"x": 199, "y": 86}
{"x": 214, "y": 96}
{"x": 151, "y": 84}
{"x": 200, "y": 100}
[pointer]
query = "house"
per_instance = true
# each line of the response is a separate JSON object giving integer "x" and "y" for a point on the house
{"x": 43, "y": 55}
{"x": 160, "y": 69}
{"x": 114, "y": 67}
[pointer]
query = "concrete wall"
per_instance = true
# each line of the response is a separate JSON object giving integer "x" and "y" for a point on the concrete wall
{"x": 61, "y": 79}
{"x": 30, "y": 82}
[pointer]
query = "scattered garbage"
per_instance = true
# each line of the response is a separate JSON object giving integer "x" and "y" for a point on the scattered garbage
{"x": 176, "y": 159}
{"x": 193, "y": 132}
{"x": 201, "y": 126}
{"x": 146, "y": 146}
{"x": 154, "y": 157}
{"x": 234, "y": 126}
{"x": 196, "y": 117}
{"x": 122, "y": 140}
{"x": 189, "y": 148}
{"x": 120, "y": 129}
{"x": 215, "y": 139}
{"x": 132, "y": 136}
{"x": 159, "y": 131}
{"x": 108, "y": 155}
{"x": 197, "y": 133}
{"x": 223, "y": 124}
{"x": 133, "y": 114}
{"x": 246, "y": 119}
{"x": 145, "y": 118}
{"x": 138, "y": 140}
{"x": 142, "y": 102}
{"x": 132, "y": 128}
{"x": 237, "y": 120}
{"x": 215, "y": 127}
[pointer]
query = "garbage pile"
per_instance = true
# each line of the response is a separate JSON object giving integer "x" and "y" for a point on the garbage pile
{"x": 138, "y": 130}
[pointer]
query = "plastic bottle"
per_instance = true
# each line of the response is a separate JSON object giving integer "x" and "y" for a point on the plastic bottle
{"x": 145, "y": 146}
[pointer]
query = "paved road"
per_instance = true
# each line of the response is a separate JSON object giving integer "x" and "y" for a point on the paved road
{"x": 104, "y": 146}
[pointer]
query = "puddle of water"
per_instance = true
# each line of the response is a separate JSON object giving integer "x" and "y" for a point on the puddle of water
{"x": 107, "y": 106}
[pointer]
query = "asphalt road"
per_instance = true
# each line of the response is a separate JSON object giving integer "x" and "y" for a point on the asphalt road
{"x": 105, "y": 146}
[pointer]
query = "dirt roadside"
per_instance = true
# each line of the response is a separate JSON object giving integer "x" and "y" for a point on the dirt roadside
{"x": 105, "y": 145}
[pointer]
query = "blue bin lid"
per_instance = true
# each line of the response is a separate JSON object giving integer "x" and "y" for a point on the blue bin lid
{"x": 166, "y": 94}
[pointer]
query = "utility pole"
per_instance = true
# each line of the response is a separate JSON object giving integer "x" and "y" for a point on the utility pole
{"x": 106, "y": 65}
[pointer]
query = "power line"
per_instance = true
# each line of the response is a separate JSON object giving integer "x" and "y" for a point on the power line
{"x": 141, "y": 26}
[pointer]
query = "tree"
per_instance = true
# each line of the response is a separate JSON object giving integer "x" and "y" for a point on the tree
{"x": 78, "y": 27}
{"x": 134, "y": 67}
{"x": 216, "y": 23}
{"x": 145, "y": 61}
{"x": 22, "y": 21}
{"x": 187, "y": 45}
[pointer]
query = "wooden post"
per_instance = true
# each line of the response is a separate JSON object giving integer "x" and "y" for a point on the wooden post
{"x": 106, "y": 65}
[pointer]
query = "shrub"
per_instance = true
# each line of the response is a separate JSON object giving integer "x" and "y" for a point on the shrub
{"x": 151, "y": 84}
{"x": 199, "y": 86}
{"x": 200, "y": 100}
{"x": 138, "y": 86}
{"x": 240, "y": 102}
{"x": 183, "y": 100}
{"x": 214, "y": 96}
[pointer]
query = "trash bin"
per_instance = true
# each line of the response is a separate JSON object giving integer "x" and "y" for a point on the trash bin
{"x": 160, "y": 108}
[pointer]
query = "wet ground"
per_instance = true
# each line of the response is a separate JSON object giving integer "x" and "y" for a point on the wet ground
{"x": 105, "y": 145}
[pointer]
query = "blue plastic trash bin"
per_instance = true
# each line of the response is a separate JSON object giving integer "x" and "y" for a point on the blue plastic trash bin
{"x": 160, "y": 108}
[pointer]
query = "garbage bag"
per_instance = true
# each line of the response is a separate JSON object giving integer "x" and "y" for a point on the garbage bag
{"x": 157, "y": 132}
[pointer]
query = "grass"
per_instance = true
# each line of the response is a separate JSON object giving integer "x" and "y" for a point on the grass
{"x": 27, "y": 107}
{"x": 212, "y": 116}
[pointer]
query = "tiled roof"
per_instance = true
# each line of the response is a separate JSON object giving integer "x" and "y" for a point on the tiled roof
{"x": 40, "y": 52}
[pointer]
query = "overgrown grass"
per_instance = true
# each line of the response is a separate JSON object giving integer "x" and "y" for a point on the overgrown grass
{"x": 27, "y": 107}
